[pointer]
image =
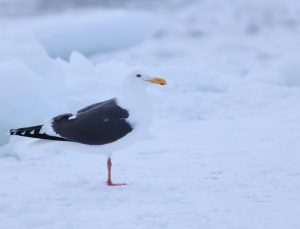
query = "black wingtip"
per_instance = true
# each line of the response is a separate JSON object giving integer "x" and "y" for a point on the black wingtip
{"x": 12, "y": 132}
{"x": 33, "y": 132}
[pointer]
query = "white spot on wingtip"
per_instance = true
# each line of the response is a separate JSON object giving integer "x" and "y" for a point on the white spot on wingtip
{"x": 22, "y": 133}
{"x": 72, "y": 117}
{"x": 12, "y": 132}
{"x": 32, "y": 132}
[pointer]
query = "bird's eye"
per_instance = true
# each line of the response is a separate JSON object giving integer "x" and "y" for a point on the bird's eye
{"x": 138, "y": 75}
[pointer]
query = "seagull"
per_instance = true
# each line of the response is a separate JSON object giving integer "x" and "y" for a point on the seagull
{"x": 106, "y": 126}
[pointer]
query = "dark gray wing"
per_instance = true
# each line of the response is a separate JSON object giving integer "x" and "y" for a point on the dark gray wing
{"x": 97, "y": 124}
{"x": 95, "y": 105}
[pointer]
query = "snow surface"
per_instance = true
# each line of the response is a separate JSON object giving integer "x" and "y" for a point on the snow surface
{"x": 224, "y": 149}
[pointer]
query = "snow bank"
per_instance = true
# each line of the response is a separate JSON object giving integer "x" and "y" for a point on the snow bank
{"x": 94, "y": 32}
{"x": 28, "y": 83}
{"x": 87, "y": 32}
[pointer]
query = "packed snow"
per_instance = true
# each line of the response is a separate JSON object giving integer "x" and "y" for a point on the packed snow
{"x": 224, "y": 145}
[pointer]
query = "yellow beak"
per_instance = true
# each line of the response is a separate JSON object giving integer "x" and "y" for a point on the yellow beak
{"x": 158, "y": 80}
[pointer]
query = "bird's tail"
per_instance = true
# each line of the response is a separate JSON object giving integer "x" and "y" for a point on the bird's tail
{"x": 33, "y": 131}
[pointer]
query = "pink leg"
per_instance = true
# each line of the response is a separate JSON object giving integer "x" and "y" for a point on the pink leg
{"x": 109, "y": 182}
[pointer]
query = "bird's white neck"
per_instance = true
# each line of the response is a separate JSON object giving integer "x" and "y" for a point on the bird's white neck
{"x": 134, "y": 98}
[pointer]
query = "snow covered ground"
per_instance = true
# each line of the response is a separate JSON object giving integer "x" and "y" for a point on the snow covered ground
{"x": 224, "y": 146}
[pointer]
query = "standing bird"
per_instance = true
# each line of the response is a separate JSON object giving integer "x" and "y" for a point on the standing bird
{"x": 106, "y": 126}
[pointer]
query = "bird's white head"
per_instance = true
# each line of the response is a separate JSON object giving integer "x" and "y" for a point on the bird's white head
{"x": 139, "y": 76}
{"x": 134, "y": 98}
{"x": 134, "y": 88}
